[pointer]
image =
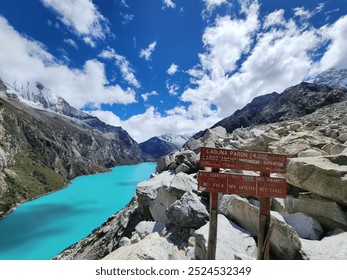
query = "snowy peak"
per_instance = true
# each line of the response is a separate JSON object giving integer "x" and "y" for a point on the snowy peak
{"x": 34, "y": 92}
{"x": 334, "y": 78}
{"x": 36, "y": 95}
{"x": 177, "y": 140}
{"x": 158, "y": 146}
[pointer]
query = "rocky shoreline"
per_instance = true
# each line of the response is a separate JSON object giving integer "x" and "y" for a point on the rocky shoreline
{"x": 168, "y": 217}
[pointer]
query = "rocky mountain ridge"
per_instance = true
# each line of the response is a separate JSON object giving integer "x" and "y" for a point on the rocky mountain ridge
{"x": 158, "y": 146}
{"x": 171, "y": 214}
{"x": 40, "y": 149}
{"x": 38, "y": 96}
{"x": 295, "y": 101}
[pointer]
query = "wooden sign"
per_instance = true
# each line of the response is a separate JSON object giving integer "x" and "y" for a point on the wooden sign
{"x": 242, "y": 184}
{"x": 262, "y": 186}
{"x": 243, "y": 160}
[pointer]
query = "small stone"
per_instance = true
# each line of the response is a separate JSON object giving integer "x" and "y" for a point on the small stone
{"x": 342, "y": 137}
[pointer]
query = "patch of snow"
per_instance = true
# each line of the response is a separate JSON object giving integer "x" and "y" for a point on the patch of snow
{"x": 178, "y": 140}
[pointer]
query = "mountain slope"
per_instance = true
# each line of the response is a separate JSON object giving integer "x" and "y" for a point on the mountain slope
{"x": 295, "y": 101}
{"x": 333, "y": 78}
{"x": 155, "y": 147}
{"x": 41, "y": 150}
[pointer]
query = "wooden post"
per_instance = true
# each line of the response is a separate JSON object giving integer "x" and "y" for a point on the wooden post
{"x": 264, "y": 225}
{"x": 212, "y": 232}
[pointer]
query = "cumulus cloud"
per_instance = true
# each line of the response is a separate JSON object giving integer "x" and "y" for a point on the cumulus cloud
{"x": 81, "y": 17}
{"x": 128, "y": 73}
{"x": 146, "y": 53}
{"x": 335, "y": 56}
{"x": 212, "y": 4}
{"x": 172, "y": 88}
{"x": 305, "y": 14}
{"x": 146, "y": 95}
{"x": 26, "y": 60}
{"x": 250, "y": 56}
{"x": 172, "y": 69}
{"x": 244, "y": 57}
{"x": 175, "y": 120}
{"x": 168, "y": 4}
{"x": 71, "y": 43}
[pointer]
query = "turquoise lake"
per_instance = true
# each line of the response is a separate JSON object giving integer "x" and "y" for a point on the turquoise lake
{"x": 42, "y": 228}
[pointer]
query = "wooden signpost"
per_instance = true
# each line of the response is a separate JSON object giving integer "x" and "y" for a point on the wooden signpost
{"x": 262, "y": 186}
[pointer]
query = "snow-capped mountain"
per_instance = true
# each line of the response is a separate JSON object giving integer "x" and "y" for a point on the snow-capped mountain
{"x": 36, "y": 95}
{"x": 333, "y": 78}
{"x": 177, "y": 140}
{"x": 158, "y": 146}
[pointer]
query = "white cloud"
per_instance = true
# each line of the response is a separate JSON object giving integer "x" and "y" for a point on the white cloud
{"x": 82, "y": 17}
{"x": 248, "y": 57}
{"x": 151, "y": 123}
{"x": 107, "y": 117}
{"x": 27, "y": 60}
{"x": 172, "y": 88}
{"x": 124, "y": 66}
{"x": 336, "y": 55}
{"x": 172, "y": 69}
{"x": 146, "y": 53}
{"x": 127, "y": 18}
{"x": 71, "y": 43}
{"x": 145, "y": 96}
{"x": 169, "y": 4}
{"x": 212, "y": 4}
{"x": 245, "y": 57}
{"x": 305, "y": 14}
{"x": 227, "y": 40}
{"x": 274, "y": 18}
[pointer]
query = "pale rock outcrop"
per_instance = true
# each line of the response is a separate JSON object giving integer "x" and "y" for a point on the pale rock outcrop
{"x": 146, "y": 191}
{"x": 164, "y": 161}
{"x": 254, "y": 144}
{"x": 213, "y": 137}
{"x": 167, "y": 194}
{"x": 338, "y": 149}
{"x": 278, "y": 205}
{"x": 192, "y": 145}
{"x": 3, "y": 159}
{"x": 325, "y": 176}
{"x": 285, "y": 242}
{"x": 184, "y": 161}
{"x": 232, "y": 241}
{"x": 312, "y": 153}
{"x": 145, "y": 228}
{"x": 152, "y": 247}
{"x": 188, "y": 212}
{"x": 182, "y": 168}
{"x": 189, "y": 158}
{"x": 297, "y": 142}
{"x": 342, "y": 137}
{"x": 329, "y": 248}
{"x": 306, "y": 227}
{"x": 327, "y": 212}
{"x": 124, "y": 241}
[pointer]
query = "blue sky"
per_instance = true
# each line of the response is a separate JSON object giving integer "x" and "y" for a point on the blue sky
{"x": 169, "y": 66}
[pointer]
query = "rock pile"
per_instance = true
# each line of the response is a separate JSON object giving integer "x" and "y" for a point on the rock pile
{"x": 311, "y": 223}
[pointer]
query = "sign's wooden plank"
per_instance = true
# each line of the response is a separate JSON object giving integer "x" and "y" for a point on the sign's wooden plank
{"x": 243, "y": 160}
{"x": 242, "y": 184}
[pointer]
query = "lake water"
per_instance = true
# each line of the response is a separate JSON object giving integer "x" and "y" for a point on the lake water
{"x": 42, "y": 228}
